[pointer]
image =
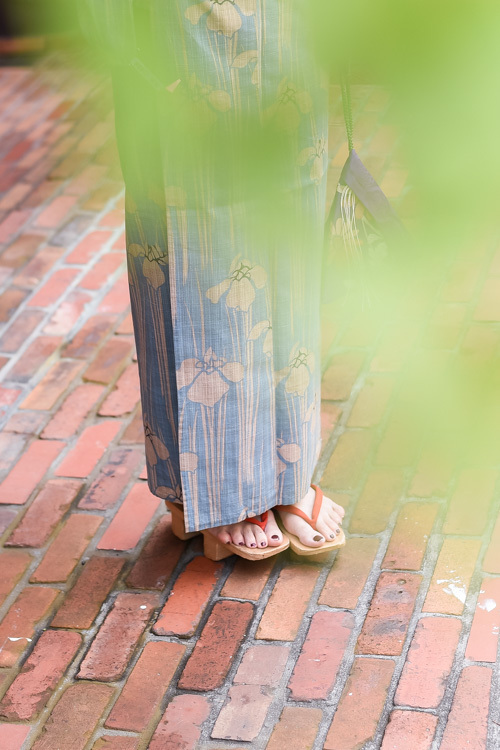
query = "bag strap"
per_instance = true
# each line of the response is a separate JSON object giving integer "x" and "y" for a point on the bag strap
{"x": 345, "y": 87}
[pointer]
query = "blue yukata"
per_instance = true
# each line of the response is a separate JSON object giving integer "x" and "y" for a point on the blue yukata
{"x": 224, "y": 284}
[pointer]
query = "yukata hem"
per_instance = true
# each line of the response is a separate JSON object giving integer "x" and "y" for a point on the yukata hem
{"x": 230, "y": 520}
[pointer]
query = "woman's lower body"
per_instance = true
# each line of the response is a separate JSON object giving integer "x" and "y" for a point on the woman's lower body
{"x": 224, "y": 283}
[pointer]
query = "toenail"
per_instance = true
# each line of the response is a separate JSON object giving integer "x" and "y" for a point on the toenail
{"x": 338, "y": 531}
{"x": 262, "y": 544}
{"x": 332, "y": 536}
{"x": 241, "y": 544}
{"x": 253, "y": 544}
{"x": 275, "y": 536}
{"x": 317, "y": 538}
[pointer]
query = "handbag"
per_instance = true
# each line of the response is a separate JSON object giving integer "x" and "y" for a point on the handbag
{"x": 363, "y": 232}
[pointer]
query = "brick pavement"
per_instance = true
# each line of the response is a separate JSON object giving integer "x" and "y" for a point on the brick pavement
{"x": 116, "y": 636}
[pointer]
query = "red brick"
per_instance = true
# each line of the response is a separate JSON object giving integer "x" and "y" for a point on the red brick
{"x": 86, "y": 180}
{"x": 296, "y": 729}
{"x": 7, "y": 515}
{"x": 99, "y": 274}
{"x": 12, "y": 223}
{"x": 82, "y": 603}
{"x": 45, "y": 395}
{"x": 55, "y": 287}
{"x": 114, "y": 218}
{"x": 112, "y": 647}
{"x": 452, "y": 574}
{"x": 10, "y": 448}
{"x": 89, "y": 246}
{"x": 316, "y": 669}
{"x": 360, "y": 705}
{"x": 37, "y": 353}
{"x": 10, "y": 301}
{"x": 288, "y": 602}
{"x": 474, "y": 489}
{"x": 341, "y": 375}
{"x": 120, "y": 243}
{"x": 116, "y": 742}
{"x": 399, "y": 444}
{"x": 67, "y": 314}
{"x": 19, "y": 252}
{"x": 491, "y": 562}
{"x": 40, "y": 674}
{"x": 68, "y": 546}
{"x": 409, "y": 729}
{"x": 145, "y": 687}
{"x": 12, "y": 736}
{"x": 158, "y": 558}
{"x": 347, "y": 464}
{"x": 488, "y": 306}
{"x": 180, "y": 725}
{"x": 44, "y": 513}
{"x": 7, "y": 398}
{"x": 29, "y": 470}
{"x": 89, "y": 337}
{"x": 467, "y": 724}
{"x": 384, "y": 629}
{"x": 371, "y": 403}
{"x": 135, "y": 431}
{"x": 89, "y": 449}
{"x": 126, "y": 395}
{"x": 330, "y": 415}
{"x": 235, "y": 724}
{"x": 445, "y": 326}
{"x": 56, "y": 211}
{"x": 75, "y": 717}
{"x": 101, "y": 196}
{"x": 110, "y": 360}
{"x": 483, "y": 638}
{"x": 133, "y": 516}
{"x": 33, "y": 272}
{"x": 117, "y": 300}
{"x": 433, "y": 474}
{"x": 126, "y": 327}
{"x": 14, "y": 196}
{"x": 381, "y": 493}
{"x": 409, "y": 539}
{"x": 31, "y": 606}
{"x": 190, "y": 595}
{"x": 349, "y": 573}
{"x": 13, "y": 563}
{"x": 428, "y": 663}
{"x": 73, "y": 411}
{"x": 25, "y": 423}
{"x": 22, "y": 327}
{"x": 114, "y": 476}
{"x": 262, "y": 665}
{"x": 248, "y": 578}
{"x": 214, "y": 652}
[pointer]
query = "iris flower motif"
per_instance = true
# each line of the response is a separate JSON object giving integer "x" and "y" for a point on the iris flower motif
{"x": 258, "y": 330}
{"x": 298, "y": 372}
{"x": 155, "y": 449}
{"x": 221, "y": 15}
{"x": 316, "y": 156}
{"x": 290, "y": 104}
{"x": 154, "y": 259}
{"x": 208, "y": 378}
{"x": 288, "y": 453}
{"x": 240, "y": 285}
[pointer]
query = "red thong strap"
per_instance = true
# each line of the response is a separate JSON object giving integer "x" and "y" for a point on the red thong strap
{"x": 262, "y": 523}
{"x": 316, "y": 508}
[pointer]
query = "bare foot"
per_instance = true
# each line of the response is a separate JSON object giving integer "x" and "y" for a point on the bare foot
{"x": 246, "y": 534}
{"x": 328, "y": 523}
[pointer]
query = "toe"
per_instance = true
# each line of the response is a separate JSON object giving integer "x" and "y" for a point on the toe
{"x": 249, "y": 535}
{"x": 327, "y": 528}
{"x": 224, "y": 536}
{"x": 237, "y": 536}
{"x": 260, "y": 537}
{"x": 273, "y": 531}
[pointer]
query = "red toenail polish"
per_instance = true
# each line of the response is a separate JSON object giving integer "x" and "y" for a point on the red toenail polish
{"x": 241, "y": 544}
{"x": 253, "y": 544}
{"x": 262, "y": 544}
{"x": 275, "y": 536}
